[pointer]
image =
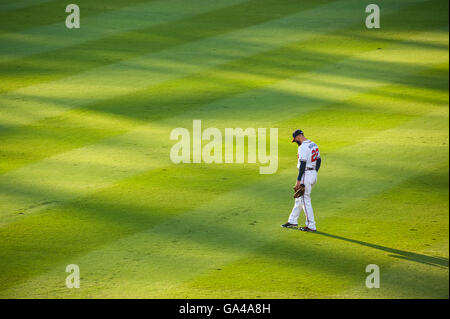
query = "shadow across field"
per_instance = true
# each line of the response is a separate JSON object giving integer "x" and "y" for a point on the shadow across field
{"x": 402, "y": 254}
{"x": 116, "y": 47}
{"x": 83, "y": 226}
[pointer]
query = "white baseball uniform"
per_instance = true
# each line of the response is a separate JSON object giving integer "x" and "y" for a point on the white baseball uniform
{"x": 308, "y": 152}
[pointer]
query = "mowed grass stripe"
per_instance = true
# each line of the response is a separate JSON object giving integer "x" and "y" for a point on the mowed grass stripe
{"x": 96, "y": 210}
{"x": 109, "y": 153}
{"x": 56, "y": 36}
{"x": 325, "y": 265}
{"x": 37, "y": 102}
{"x": 124, "y": 45}
{"x": 21, "y": 15}
{"x": 91, "y": 123}
{"x": 232, "y": 230}
{"x": 98, "y": 165}
{"x": 123, "y": 213}
{"x": 86, "y": 125}
{"x": 304, "y": 259}
{"x": 141, "y": 76}
{"x": 6, "y": 5}
{"x": 416, "y": 90}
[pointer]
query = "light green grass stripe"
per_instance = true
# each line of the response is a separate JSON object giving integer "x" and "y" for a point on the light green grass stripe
{"x": 91, "y": 123}
{"x": 331, "y": 265}
{"x": 263, "y": 207}
{"x": 324, "y": 129}
{"x": 401, "y": 280}
{"x": 44, "y": 13}
{"x": 84, "y": 170}
{"x": 8, "y": 5}
{"x": 33, "y": 103}
{"x": 329, "y": 84}
{"x": 121, "y": 46}
{"x": 158, "y": 261}
{"x": 55, "y": 36}
{"x": 145, "y": 200}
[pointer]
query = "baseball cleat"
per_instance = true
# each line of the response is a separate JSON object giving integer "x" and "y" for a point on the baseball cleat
{"x": 289, "y": 225}
{"x": 307, "y": 229}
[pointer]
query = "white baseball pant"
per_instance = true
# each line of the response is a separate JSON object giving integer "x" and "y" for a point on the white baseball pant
{"x": 309, "y": 179}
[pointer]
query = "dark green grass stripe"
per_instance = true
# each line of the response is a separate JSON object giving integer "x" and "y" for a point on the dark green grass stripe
{"x": 131, "y": 206}
{"x": 80, "y": 127}
{"x": 101, "y": 220}
{"x": 120, "y": 47}
{"x": 353, "y": 235}
{"x": 39, "y": 242}
{"x": 317, "y": 102}
{"x": 109, "y": 215}
{"x": 23, "y": 99}
{"x": 6, "y": 5}
{"x": 56, "y": 36}
{"x": 20, "y": 252}
{"x": 54, "y": 12}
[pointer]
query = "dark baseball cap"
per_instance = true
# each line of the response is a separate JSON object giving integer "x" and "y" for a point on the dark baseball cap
{"x": 295, "y": 134}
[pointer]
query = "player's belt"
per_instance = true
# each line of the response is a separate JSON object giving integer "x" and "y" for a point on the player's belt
{"x": 310, "y": 168}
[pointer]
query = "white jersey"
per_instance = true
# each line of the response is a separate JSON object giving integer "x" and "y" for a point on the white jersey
{"x": 308, "y": 152}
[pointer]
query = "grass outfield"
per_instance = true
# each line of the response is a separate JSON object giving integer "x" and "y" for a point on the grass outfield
{"x": 86, "y": 177}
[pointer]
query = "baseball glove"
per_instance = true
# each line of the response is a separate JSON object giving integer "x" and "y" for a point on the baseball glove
{"x": 298, "y": 192}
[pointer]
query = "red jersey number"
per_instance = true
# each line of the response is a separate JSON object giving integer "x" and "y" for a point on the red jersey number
{"x": 315, "y": 153}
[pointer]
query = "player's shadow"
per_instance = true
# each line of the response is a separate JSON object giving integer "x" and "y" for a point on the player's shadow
{"x": 397, "y": 253}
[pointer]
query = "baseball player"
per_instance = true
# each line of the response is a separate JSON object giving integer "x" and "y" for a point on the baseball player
{"x": 308, "y": 165}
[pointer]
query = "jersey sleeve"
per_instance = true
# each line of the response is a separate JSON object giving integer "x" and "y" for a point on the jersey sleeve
{"x": 303, "y": 154}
